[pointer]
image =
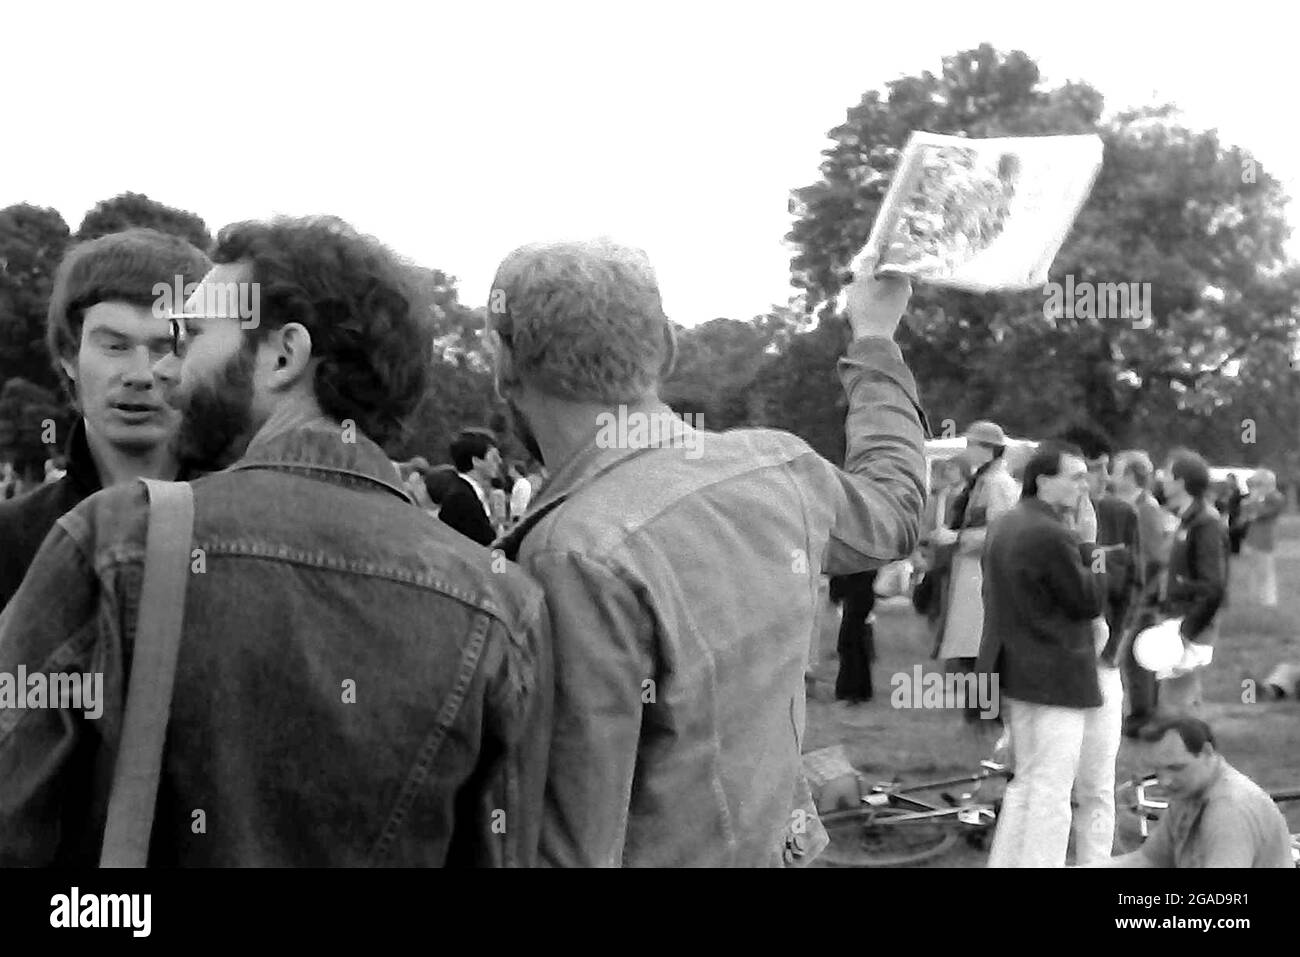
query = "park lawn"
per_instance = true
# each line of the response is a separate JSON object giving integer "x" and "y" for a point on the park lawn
{"x": 1260, "y": 738}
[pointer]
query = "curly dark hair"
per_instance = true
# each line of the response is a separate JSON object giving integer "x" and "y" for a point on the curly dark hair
{"x": 358, "y": 302}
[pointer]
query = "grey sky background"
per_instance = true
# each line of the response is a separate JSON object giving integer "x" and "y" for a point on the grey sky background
{"x": 456, "y": 132}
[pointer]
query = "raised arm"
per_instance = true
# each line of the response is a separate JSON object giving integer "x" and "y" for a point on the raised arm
{"x": 881, "y": 490}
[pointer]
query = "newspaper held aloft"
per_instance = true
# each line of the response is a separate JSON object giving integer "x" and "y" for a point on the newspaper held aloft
{"x": 982, "y": 214}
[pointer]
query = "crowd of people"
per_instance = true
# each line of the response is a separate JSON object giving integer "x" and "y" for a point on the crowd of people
{"x": 598, "y": 663}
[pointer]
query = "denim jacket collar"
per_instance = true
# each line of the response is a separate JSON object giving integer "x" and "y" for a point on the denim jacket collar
{"x": 323, "y": 449}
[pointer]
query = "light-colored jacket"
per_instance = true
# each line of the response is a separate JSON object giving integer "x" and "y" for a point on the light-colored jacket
{"x": 682, "y": 583}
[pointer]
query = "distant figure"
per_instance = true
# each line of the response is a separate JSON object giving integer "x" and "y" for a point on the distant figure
{"x": 521, "y": 491}
{"x": 856, "y": 645}
{"x": 1261, "y": 509}
{"x": 466, "y": 506}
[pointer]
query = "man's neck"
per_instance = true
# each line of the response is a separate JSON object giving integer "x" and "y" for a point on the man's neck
{"x": 290, "y": 413}
{"x": 116, "y": 465}
{"x": 563, "y": 429}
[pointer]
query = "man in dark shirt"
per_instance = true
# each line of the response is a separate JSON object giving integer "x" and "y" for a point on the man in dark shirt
{"x": 465, "y": 503}
{"x": 1198, "y": 576}
{"x": 1043, "y": 631}
{"x": 104, "y": 338}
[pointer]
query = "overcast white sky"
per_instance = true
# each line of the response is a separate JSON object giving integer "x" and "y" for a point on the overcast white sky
{"x": 456, "y": 132}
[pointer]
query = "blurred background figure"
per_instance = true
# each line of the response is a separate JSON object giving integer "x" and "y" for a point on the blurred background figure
{"x": 948, "y": 478}
{"x": 856, "y": 643}
{"x": 1132, "y": 477}
{"x": 991, "y": 493}
{"x": 54, "y": 470}
{"x": 1260, "y": 510}
{"x": 521, "y": 490}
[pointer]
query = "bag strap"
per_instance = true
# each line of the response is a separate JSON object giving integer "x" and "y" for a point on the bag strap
{"x": 134, "y": 793}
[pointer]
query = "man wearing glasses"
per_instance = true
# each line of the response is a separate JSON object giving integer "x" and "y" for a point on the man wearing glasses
{"x": 104, "y": 338}
{"x": 356, "y": 683}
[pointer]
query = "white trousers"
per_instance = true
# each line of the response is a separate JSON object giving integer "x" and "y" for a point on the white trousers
{"x": 1094, "y": 786}
{"x": 1033, "y": 828}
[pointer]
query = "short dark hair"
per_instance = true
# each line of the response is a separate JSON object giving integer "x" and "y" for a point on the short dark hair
{"x": 1196, "y": 734}
{"x": 469, "y": 445}
{"x": 436, "y": 482}
{"x": 1093, "y": 442}
{"x": 1046, "y": 460}
{"x": 1192, "y": 470}
{"x": 118, "y": 267}
{"x": 352, "y": 294}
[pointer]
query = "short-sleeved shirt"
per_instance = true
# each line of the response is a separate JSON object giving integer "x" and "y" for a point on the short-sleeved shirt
{"x": 1232, "y": 823}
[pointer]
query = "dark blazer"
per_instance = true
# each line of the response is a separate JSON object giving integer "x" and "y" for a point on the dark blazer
{"x": 1040, "y": 596}
{"x": 462, "y": 510}
{"x": 1198, "y": 569}
{"x": 26, "y": 520}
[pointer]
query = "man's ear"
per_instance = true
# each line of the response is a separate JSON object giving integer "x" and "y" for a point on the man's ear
{"x": 292, "y": 355}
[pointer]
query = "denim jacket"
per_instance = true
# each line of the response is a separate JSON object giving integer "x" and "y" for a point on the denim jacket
{"x": 682, "y": 579}
{"x": 357, "y": 684}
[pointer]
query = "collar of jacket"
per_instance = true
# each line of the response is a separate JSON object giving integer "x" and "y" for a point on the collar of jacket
{"x": 81, "y": 464}
{"x": 323, "y": 448}
{"x": 1196, "y": 510}
{"x": 598, "y": 457}
{"x": 1038, "y": 505}
{"x": 589, "y": 463}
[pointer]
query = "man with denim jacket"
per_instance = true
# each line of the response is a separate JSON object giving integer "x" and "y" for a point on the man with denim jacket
{"x": 356, "y": 683}
{"x": 682, "y": 566}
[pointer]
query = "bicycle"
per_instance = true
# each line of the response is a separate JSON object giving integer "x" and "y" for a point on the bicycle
{"x": 1144, "y": 801}
{"x": 894, "y": 827}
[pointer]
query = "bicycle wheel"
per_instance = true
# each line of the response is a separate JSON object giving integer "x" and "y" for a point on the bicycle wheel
{"x": 867, "y": 838}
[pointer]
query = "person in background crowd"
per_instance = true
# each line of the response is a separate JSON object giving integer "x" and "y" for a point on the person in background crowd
{"x": 856, "y": 642}
{"x": 1133, "y": 472}
{"x": 437, "y": 482}
{"x": 53, "y": 472}
{"x": 104, "y": 338}
{"x": 413, "y": 480}
{"x": 1198, "y": 576}
{"x": 1217, "y": 817}
{"x": 681, "y": 566}
{"x": 1121, "y": 574}
{"x": 318, "y": 571}
{"x": 466, "y": 503}
{"x": 521, "y": 491}
{"x": 948, "y": 479}
{"x": 1238, "y": 521}
{"x": 1261, "y": 510}
{"x": 1043, "y": 633}
{"x": 991, "y": 493}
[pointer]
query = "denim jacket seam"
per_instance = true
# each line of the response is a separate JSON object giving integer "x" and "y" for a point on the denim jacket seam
{"x": 304, "y": 558}
{"x": 470, "y": 660}
{"x": 349, "y": 478}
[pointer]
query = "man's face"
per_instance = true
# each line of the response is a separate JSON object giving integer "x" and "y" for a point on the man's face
{"x": 1181, "y": 773}
{"x": 121, "y": 400}
{"x": 489, "y": 466}
{"x": 1098, "y": 476}
{"x": 1067, "y": 487}
{"x": 213, "y": 382}
{"x": 1173, "y": 487}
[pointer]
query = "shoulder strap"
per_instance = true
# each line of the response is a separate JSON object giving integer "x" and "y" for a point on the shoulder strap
{"x": 149, "y": 695}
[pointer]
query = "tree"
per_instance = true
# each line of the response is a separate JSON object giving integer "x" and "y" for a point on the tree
{"x": 136, "y": 209}
{"x": 1200, "y": 224}
{"x": 32, "y": 241}
{"x": 32, "y": 420}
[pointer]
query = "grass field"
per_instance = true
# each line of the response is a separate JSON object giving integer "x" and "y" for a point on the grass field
{"x": 1260, "y": 739}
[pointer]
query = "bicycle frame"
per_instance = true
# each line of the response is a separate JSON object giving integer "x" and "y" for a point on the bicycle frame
{"x": 895, "y": 795}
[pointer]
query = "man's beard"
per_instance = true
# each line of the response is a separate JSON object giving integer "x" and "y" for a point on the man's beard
{"x": 519, "y": 425}
{"x": 217, "y": 417}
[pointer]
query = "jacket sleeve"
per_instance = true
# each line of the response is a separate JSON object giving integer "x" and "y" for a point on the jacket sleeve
{"x": 605, "y": 677}
{"x": 50, "y": 627}
{"x": 521, "y": 689}
{"x": 880, "y": 493}
{"x": 1206, "y": 584}
{"x": 1064, "y": 568}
